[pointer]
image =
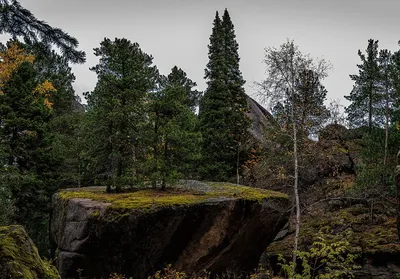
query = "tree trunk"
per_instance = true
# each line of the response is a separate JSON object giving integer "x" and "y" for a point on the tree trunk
{"x": 397, "y": 180}
{"x": 134, "y": 164}
{"x": 79, "y": 173}
{"x": 154, "y": 182}
{"x": 119, "y": 171}
{"x": 296, "y": 180}
{"x": 163, "y": 184}
{"x": 110, "y": 168}
{"x": 386, "y": 126}
{"x": 370, "y": 109}
{"x": 237, "y": 166}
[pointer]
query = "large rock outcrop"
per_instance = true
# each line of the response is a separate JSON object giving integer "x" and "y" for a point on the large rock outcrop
{"x": 195, "y": 227}
{"x": 261, "y": 120}
{"x": 19, "y": 258}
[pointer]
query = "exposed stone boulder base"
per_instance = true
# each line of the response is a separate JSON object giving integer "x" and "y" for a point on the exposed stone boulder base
{"x": 195, "y": 227}
{"x": 19, "y": 258}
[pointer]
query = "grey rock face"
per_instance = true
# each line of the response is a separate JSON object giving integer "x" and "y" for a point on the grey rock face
{"x": 219, "y": 235}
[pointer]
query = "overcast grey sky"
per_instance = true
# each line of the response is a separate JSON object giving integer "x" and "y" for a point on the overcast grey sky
{"x": 176, "y": 32}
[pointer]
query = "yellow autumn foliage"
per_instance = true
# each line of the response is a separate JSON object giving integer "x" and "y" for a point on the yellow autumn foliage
{"x": 43, "y": 90}
{"x": 10, "y": 60}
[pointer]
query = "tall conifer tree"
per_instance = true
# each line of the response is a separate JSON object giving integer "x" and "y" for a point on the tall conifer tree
{"x": 223, "y": 121}
{"x": 365, "y": 98}
{"x": 174, "y": 123}
{"x": 117, "y": 108}
{"x": 386, "y": 68}
{"x": 27, "y": 164}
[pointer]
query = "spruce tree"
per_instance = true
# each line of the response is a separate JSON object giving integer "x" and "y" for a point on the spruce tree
{"x": 223, "y": 121}
{"x": 365, "y": 99}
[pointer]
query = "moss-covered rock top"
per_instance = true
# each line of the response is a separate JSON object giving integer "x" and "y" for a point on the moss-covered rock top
{"x": 19, "y": 258}
{"x": 178, "y": 195}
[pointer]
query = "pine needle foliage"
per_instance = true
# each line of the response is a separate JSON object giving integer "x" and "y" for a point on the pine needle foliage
{"x": 20, "y": 22}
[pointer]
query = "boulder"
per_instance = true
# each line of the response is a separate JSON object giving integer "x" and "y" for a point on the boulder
{"x": 19, "y": 258}
{"x": 217, "y": 227}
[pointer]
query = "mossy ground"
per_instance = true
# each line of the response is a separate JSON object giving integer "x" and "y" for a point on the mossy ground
{"x": 149, "y": 198}
{"x": 19, "y": 257}
{"x": 368, "y": 234}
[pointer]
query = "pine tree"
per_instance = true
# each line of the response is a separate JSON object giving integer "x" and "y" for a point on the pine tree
{"x": 27, "y": 163}
{"x": 310, "y": 111}
{"x": 223, "y": 121}
{"x": 386, "y": 89}
{"x": 65, "y": 122}
{"x": 117, "y": 107}
{"x": 174, "y": 124}
{"x": 365, "y": 98}
{"x": 19, "y": 22}
{"x": 188, "y": 140}
{"x": 395, "y": 78}
{"x": 375, "y": 106}
{"x": 54, "y": 67}
{"x": 179, "y": 78}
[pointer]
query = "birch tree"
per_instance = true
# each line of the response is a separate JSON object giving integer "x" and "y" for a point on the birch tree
{"x": 284, "y": 66}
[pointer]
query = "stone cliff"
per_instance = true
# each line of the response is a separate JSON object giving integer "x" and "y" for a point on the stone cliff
{"x": 215, "y": 226}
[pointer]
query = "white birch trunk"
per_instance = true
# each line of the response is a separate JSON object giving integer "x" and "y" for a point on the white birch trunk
{"x": 296, "y": 179}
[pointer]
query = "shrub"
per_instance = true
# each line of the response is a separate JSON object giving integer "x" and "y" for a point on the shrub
{"x": 328, "y": 258}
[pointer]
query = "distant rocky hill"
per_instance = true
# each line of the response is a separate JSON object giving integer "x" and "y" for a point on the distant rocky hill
{"x": 261, "y": 119}
{"x": 77, "y": 106}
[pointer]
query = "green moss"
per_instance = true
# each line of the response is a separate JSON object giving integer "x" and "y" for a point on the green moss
{"x": 366, "y": 237}
{"x": 248, "y": 193}
{"x": 95, "y": 214}
{"x": 151, "y": 198}
{"x": 21, "y": 258}
{"x": 50, "y": 270}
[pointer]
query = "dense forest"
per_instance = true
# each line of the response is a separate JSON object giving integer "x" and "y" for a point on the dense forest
{"x": 139, "y": 128}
